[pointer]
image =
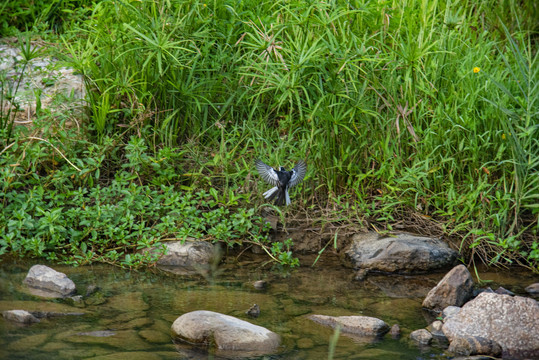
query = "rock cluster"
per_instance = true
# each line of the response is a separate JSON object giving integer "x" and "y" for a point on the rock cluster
{"x": 494, "y": 323}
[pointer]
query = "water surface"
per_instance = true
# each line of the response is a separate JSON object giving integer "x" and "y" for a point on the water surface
{"x": 139, "y": 308}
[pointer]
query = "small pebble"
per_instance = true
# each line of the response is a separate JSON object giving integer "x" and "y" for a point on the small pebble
{"x": 260, "y": 284}
{"x": 253, "y": 311}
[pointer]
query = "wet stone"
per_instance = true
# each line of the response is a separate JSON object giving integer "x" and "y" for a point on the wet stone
{"x": 46, "y": 282}
{"x": 52, "y": 314}
{"x": 533, "y": 289}
{"x": 188, "y": 253}
{"x": 511, "y": 321}
{"x": 358, "y": 325}
{"x": 19, "y": 316}
{"x": 475, "y": 345}
{"x": 260, "y": 284}
{"x": 227, "y": 332}
{"x": 436, "y": 328}
{"x": 96, "y": 300}
{"x": 421, "y": 336}
{"x": 402, "y": 286}
{"x": 482, "y": 290}
{"x": 503, "y": 291}
{"x": 254, "y": 311}
{"x": 401, "y": 253}
{"x": 454, "y": 289}
{"x": 395, "y": 331}
{"x": 76, "y": 301}
{"x": 98, "y": 333}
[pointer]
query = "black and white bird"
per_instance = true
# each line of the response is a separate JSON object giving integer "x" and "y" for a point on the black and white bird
{"x": 281, "y": 180}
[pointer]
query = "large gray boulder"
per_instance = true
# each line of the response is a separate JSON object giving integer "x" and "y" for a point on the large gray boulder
{"x": 454, "y": 289}
{"x": 356, "y": 325}
{"x": 226, "y": 333}
{"x": 49, "y": 282}
{"x": 401, "y": 253}
{"x": 187, "y": 254}
{"x": 511, "y": 321}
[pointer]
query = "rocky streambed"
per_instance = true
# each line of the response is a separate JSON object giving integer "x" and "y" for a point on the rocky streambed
{"x": 243, "y": 308}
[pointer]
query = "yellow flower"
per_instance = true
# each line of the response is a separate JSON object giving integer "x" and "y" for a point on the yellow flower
{"x": 205, "y": 5}
{"x": 503, "y": 136}
{"x": 476, "y": 70}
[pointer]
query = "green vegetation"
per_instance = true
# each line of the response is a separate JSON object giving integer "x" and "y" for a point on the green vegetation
{"x": 418, "y": 112}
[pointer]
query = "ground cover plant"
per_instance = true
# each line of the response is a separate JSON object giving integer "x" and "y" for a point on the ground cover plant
{"x": 417, "y": 113}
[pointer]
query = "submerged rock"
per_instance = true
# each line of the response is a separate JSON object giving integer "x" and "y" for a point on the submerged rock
{"x": 20, "y": 316}
{"x": 98, "y": 333}
{"x": 402, "y": 253}
{"x": 395, "y": 331}
{"x": 454, "y": 289}
{"x": 48, "y": 282}
{"x": 356, "y": 325}
{"x": 225, "y": 333}
{"x": 511, "y": 321}
{"x": 403, "y": 286}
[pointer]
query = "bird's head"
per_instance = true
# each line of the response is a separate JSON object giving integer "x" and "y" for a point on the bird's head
{"x": 281, "y": 168}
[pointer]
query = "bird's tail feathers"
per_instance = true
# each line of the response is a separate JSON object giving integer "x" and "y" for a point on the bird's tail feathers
{"x": 279, "y": 195}
{"x": 270, "y": 192}
{"x": 287, "y": 197}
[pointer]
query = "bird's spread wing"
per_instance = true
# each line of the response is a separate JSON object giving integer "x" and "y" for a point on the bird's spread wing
{"x": 298, "y": 173}
{"x": 268, "y": 174}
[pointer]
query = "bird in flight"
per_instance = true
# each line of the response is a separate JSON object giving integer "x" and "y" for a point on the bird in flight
{"x": 281, "y": 179}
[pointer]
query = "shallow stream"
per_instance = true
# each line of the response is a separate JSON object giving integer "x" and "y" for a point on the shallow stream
{"x": 139, "y": 308}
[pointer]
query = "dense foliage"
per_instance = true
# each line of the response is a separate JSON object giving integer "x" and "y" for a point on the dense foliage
{"x": 401, "y": 107}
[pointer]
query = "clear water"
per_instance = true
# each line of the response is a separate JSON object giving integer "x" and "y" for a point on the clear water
{"x": 140, "y": 307}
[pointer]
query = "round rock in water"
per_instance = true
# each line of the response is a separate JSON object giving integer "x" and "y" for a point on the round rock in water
{"x": 49, "y": 282}
{"x": 226, "y": 332}
{"x": 511, "y": 321}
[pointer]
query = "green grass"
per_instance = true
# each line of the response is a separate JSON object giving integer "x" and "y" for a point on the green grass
{"x": 380, "y": 97}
